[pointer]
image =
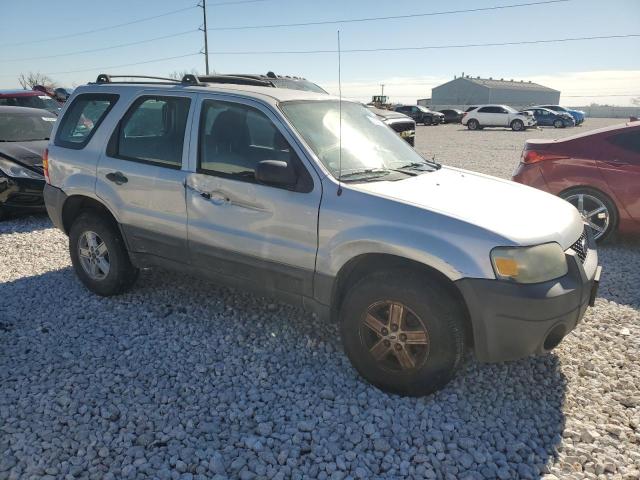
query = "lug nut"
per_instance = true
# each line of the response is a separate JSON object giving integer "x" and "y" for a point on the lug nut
{"x": 385, "y": 332}
{"x": 403, "y": 337}
{"x": 387, "y": 343}
{"x": 398, "y": 347}
{"x": 394, "y": 327}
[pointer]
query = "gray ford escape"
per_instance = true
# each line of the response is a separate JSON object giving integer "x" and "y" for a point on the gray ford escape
{"x": 317, "y": 202}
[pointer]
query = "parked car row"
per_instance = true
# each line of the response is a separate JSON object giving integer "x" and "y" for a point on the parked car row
{"x": 496, "y": 116}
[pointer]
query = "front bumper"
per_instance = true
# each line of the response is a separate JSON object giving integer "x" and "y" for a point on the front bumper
{"x": 21, "y": 194}
{"x": 511, "y": 321}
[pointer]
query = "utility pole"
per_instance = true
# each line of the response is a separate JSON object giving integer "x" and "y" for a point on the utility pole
{"x": 203, "y": 5}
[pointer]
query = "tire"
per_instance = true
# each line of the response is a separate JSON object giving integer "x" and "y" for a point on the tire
{"x": 428, "y": 308}
{"x": 473, "y": 124}
{"x": 592, "y": 200}
{"x": 120, "y": 274}
{"x": 427, "y": 121}
{"x": 558, "y": 123}
{"x": 517, "y": 125}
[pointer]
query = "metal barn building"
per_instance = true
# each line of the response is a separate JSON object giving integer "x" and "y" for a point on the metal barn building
{"x": 467, "y": 90}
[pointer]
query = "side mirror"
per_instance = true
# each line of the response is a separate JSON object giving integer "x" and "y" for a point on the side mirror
{"x": 276, "y": 172}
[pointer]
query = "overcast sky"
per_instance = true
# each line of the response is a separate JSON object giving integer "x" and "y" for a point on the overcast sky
{"x": 602, "y": 71}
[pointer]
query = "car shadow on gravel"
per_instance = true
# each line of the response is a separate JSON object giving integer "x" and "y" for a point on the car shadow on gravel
{"x": 24, "y": 224}
{"x": 187, "y": 370}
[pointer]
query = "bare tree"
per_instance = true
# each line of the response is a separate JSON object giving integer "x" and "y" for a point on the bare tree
{"x": 178, "y": 74}
{"x": 29, "y": 80}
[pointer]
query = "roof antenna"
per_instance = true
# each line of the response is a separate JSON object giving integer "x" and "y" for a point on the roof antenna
{"x": 339, "y": 120}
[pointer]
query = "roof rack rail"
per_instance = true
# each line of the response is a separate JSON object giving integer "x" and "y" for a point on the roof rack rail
{"x": 235, "y": 79}
{"x": 188, "y": 79}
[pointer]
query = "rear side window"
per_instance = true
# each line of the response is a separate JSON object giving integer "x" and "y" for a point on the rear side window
{"x": 629, "y": 141}
{"x": 82, "y": 119}
{"x": 152, "y": 131}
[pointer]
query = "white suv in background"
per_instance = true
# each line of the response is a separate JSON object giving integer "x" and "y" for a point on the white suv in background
{"x": 498, "y": 116}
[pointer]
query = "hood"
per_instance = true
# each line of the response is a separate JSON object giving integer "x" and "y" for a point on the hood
{"x": 28, "y": 154}
{"x": 520, "y": 214}
{"x": 389, "y": 114}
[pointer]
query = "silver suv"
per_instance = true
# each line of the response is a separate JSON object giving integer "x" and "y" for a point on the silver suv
{"x": 317, "y": 202}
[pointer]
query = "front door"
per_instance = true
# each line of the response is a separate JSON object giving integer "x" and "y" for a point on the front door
{"x": 260, "y": 235}
{"x": 141, "y": 175}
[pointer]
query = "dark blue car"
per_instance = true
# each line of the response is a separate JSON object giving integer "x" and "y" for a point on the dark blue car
{"x": 548, "y": 118}
{"x": 578, "y": 115}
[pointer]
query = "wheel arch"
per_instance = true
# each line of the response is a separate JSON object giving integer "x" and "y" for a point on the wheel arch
{"x": 74, "y": 205}
{"x": 362, "y": 265}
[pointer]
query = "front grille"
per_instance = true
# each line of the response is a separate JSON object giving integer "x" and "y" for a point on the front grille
{"x": 580, "y": 247}
{"x": 403, "y": 126}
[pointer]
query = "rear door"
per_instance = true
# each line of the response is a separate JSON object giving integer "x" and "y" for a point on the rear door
{"x": 620, "y": 167}
{"x": 141, "y": 175}
{"x": 258, "y": 235}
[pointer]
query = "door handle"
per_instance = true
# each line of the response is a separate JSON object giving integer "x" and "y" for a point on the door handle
{"x": 117, "y": 177}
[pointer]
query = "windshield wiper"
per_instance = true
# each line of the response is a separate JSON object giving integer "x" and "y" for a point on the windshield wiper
{"x": 419, "y": 165}
{"x": 365, "y": 173}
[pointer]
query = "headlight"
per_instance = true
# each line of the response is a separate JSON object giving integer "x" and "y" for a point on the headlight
{"x": 529, "y": 264}
{"x": 18, "y": 171}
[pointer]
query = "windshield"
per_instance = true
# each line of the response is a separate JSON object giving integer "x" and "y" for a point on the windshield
{"x": 367, "y": 143}
{"x": 509, "y": 109}
{"x": 297, "y": 85}
{"x": 423, "y": 109}
{"x": 18, "y": 127}
{"x": 33, "y": 101}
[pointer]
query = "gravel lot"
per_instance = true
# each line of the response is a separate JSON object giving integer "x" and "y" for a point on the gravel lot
{"x": 184, "y": 379}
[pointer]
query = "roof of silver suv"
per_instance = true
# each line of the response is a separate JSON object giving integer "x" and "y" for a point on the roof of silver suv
{"x": 269, "y": 94}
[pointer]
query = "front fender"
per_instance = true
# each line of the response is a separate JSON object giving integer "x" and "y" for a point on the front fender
{"x": 412, "y": 244}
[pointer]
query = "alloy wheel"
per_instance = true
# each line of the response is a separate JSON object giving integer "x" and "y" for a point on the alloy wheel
{"x": 593, "y": 210}
{"x": 94, "y": 255}
{"x": 395, "y": 336}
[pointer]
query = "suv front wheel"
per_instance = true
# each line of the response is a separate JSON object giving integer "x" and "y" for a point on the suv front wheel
{"x": 99, "y": 256}
{"x": 403, "y": 332}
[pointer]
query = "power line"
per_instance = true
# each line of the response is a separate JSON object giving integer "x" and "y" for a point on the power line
{"x": 427, "y": 47}
{"x": 392, "y": 17}
{"x": 121, "y": 45}
{"x": 102, "y": 29}
{"x": 155, "y": 60}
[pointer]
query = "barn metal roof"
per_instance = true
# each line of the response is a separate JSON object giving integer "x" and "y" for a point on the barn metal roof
{"x": 506, "y": 84}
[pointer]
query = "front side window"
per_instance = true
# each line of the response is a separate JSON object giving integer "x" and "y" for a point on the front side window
{"x": 366, "y": 144}
{"x": 82, "y": 118}
{"x": 234, "y": 138}
{"x": 153, "y": 131}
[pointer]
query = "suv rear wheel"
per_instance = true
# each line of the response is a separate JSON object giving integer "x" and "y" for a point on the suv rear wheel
{"x": 473, "y": 124}
{"x": 402, "y": 332}
{"x": 558, "y": 123}
{"x": 99, "y": 256}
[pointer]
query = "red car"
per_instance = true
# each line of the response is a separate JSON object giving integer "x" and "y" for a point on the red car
{"x": 598, "y": 172}
{"x": 29, "y": 98}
